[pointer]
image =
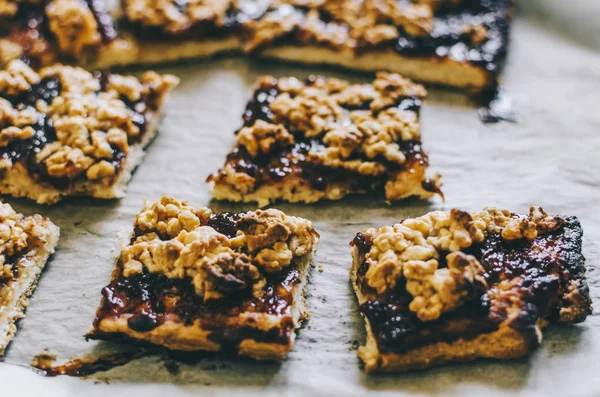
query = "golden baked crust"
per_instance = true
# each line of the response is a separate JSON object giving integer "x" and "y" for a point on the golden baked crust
{"x": 455, "y": 286}
{"x": 304, "y": 141}
{"x": 70, "y": 131}
{"x": 191, "y": 279}
{"x": 25, "y": 245}
{"x": 456, "y": 43}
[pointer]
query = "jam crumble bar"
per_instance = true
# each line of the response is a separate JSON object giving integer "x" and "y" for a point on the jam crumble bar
{"x": 458, "y": 43}
{"x": 454, "y": 286}
{"x": 192, "y": 280}
{"x": 305, "y": 141}
{"x": 65, "y": 131}
{"x": 26, "y": 242}
{"x": 455, "y": 43}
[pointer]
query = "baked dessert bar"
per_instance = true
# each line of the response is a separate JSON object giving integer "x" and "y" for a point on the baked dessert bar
{"x": 26, "y": 242}
{"x": 455, "y": 286}
{"x": 65, "y": 131}
{"x": 458, "y": 43}
{"x": 304, "y": 141}
{"x": 42, "y": 32}
{"x": 193, "y": 280}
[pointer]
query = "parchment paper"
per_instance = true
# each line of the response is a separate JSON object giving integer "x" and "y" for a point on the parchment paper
{"x": 548, "y": 158}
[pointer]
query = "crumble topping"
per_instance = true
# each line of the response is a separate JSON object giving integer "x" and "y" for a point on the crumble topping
{"x": 73, "y": 24}
{"x": 175, "y": 239}
{"x": 8, "y": 51}
{"x": 320, "y": 110}
{"x": 92, "y": 123}
{"x": 17, "y": 233}
{"x": 343, "y": 24}
{"x": 174, "y": 16}
{"x": 413, "y": 249}
{"x": 8, "y": 8}
{"x": 330, "y": 136}
{"x": 262, "y": 137}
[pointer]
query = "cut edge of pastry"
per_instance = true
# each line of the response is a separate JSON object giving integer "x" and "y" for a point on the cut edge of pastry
{"x": 130, "y": 52}
{"x": 296, "y": 190}
{"x": 502, "y": 344}
{"x": 17, "y": 181}
{"x": 24, "y": 285}
{"x": 193, "y": 338}
{"x": 437, "y": 71}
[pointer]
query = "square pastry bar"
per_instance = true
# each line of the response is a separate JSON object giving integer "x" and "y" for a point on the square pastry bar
{"x": 65, "y": 131}
{"x": 458, "y": 43}
{"x": 26, "y": 243}
{"x": 194, "y": 280}
{"x": 455, "y": 286}
{"x": 318, "y": 138}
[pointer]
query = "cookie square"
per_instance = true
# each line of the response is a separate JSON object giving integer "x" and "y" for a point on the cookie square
{"x": 195, "y": 280}
{"x": 455, "y": 286}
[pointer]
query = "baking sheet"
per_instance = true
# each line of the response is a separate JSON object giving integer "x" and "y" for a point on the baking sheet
{"x": 549, "y": 158}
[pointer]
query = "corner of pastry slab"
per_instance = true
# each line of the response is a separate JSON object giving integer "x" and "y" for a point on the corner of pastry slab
{"x": 47, "y": 237}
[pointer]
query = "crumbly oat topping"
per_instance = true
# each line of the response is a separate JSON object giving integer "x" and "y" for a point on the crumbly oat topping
{"x": 174, "y": 16}
{"x": 17, "y": 234}
{"x": 413, "y": 249}
{"x": 8, "y": 8}
{"x": 174, "y": 239}
{"x": 73, "y": 24}
{"x": 320, "y": 109}
{"x": 350, "y": 24}
{"x": 8, "y": 51}
{"x": 262, "y": 137}
{"x": 92, "y": 123}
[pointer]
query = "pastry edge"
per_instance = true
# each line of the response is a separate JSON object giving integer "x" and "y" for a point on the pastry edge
{"x": 174, "y": 336}
{"x": 26, "y": 283}
{"x": 18, "y": 183}
{"x": 433, "y": 70}
{"x": 437, "y": 71}
{"x": 297, "y": 190}
{"x": 502, "y": 344}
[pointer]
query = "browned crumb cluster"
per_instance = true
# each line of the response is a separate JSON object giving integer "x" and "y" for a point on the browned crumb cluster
{"x": 352, "y": 24}
{"x": 334, "y": 130}
{"x": 170, "y": 16}
{"x": 467, "y": 274}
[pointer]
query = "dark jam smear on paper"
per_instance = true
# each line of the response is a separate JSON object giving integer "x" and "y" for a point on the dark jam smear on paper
{"x": 495, "y": 105}
{"x": 545, "y": 265}
{"x": 78, "y": 367}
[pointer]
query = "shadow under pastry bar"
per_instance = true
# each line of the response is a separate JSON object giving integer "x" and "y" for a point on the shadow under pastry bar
{"x": 316, "y": 139}
{"x": 455, "y": 286}
{"x": 26, "y": 243}
{"x": 195, "y": 280}
{"x": 455, "y": 43}
{"x": 65, "y": 131}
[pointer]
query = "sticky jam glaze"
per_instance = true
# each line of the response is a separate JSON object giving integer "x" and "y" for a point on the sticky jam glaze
{"x": 26, "y": 150}
{"x": 149, "y": 300}
{"x": 294, "y": 161}
{"x": 544, "y": 266}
